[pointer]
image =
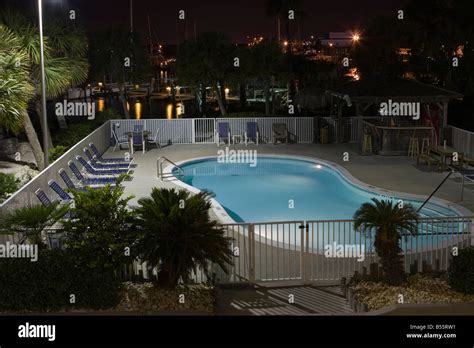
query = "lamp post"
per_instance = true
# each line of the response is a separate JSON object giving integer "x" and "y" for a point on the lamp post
{"x": 43, "y": 86}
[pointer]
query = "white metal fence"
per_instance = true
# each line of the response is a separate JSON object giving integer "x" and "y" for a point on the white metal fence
{"x": 463, "y": 140}
{"x": 202, "y": 131}
{"x": 327, "y": 251}
{"x": 323, "y": 251}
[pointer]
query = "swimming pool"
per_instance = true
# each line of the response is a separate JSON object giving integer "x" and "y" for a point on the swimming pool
{"x": 288, "y": 189}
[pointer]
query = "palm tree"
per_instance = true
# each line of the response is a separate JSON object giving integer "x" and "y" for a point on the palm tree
{"x": 65, "y": 49}
{"x": 390, "y": 222}
{"x": 280, "y": 10}
{"x": 206, "y": 61}
{"x": 30, "y": 221}
{"x": 16, "y": 90}
{"x": 266, "y": 64}
{"x": 177, "y": 235}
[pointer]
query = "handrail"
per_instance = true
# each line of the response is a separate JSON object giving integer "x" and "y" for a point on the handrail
{"x": 159, "y": 164}
{"x": 436, "y": 190}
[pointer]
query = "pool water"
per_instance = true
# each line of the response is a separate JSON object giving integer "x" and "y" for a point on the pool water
{"x": 282, "y": 189}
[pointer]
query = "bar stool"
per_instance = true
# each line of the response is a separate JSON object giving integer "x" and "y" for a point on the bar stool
{"x": 413, "y": 147}
{"x": 367, "y": 144}
{"x": 425, "y": 144}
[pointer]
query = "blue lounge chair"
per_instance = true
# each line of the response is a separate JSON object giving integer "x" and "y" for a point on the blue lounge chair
{"x": 68, "y": 181}
{"x": 42, "y": 197}
{"x": 251, "y": 133}
{"x": 99, "y": 172}
{"x": 90, "y": 181}
{"x": 138, "y": 140}
{"x": 99, "y": 165}
{"x": 223, "y": 133}
{"x": 96, "y": 152}
{"x": 59, "y": 190}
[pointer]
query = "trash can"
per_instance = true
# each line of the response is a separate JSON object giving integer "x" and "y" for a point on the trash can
{"x": 324, "y": 135}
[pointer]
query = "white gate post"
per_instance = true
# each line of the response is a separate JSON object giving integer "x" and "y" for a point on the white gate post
{"x": 251, "y": 229}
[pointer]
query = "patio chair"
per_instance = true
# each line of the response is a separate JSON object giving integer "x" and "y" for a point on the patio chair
{"x": 280, "y": 133}
{"x": 223, "y": 132}
{"x": 99, "y": 172}
{"x": 251, "y": 133}
{"x": 96, "y": 153}
{"x": 99, "y": 165}
{"x": 138, "y": 139}
{"x": 155, "y": 140}
{"x": 59, "y": 190}
{"x": 123, "y": 140}
{"x": 101, "y": 181}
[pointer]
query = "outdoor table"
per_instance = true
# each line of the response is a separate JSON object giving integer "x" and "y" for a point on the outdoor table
{"x": 146, "y": 134}
{"x": 445, "y": 152}
{"x": 237, "y": 139}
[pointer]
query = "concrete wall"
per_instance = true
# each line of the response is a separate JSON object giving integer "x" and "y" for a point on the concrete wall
{"x": 26, "y": 195}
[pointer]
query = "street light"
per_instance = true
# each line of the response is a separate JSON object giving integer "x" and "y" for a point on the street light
{"x": 43, "y": 86}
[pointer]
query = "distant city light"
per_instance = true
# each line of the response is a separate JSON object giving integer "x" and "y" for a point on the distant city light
{"x": 356, "y": 37}
{"x": 227, "y": 90}
{"x": 285, "y": 43}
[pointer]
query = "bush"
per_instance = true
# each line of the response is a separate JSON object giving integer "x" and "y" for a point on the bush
{"x": 56, "y": 152}
{"x": 8, "y": 185}
{"x": 461, "y": 271}
{"x": 46, "y": 285}
{"x": 101, "y": 227}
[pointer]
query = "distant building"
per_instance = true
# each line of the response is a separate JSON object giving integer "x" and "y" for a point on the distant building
{"x": 337, "y": 43}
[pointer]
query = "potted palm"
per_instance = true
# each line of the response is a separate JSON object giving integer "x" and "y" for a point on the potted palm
{"x": 391, "y": 221}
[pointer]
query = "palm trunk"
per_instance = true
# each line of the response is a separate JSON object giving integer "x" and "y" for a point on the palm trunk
{"x": 34, "y": 142}
{"x": 243, "y": 95}
{"x": 266, "y": 91}
{"x": 220, "y": 101}
{"x": 39, "y": 111}
{"x": 203, "y": 100}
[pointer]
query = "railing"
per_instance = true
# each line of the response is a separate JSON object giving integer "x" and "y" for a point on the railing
{"x": 463, "y": 140}
{"x": 203, "y": 130}
{"x": 326, "y": 251}
{"x": 321, "y": 252}
{"x": 159, "y": 164}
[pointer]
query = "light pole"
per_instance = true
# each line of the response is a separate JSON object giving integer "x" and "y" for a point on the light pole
{"x": 43, "y": 87}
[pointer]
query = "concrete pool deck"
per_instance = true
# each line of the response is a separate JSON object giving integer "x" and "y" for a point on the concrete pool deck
{"x": 393, "y": 173}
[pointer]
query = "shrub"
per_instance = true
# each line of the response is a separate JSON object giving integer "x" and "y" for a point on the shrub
{"x": 8, "y": 185}
{"x": 30, "y": 221}
{"x": 56, "y": 152}
{"x": 461, "y": 271}
{"x": 46, "y": 285}
{"x": 101, "y": 227}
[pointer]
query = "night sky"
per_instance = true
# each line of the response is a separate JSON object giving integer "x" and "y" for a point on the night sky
{"x": 238, "y": 18}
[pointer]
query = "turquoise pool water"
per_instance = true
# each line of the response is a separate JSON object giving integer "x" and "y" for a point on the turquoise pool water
{"x": 281, "y": 189}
